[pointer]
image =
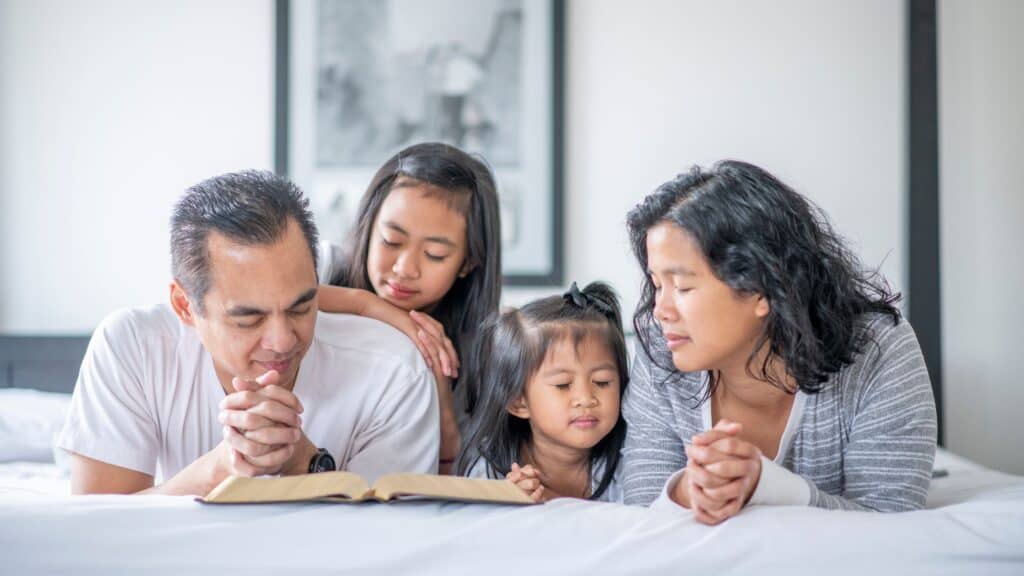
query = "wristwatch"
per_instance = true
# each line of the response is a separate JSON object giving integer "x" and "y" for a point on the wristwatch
{"x": 322, "y": 461}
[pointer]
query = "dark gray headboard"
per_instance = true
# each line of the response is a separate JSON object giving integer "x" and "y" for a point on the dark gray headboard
{"x": 47, "y": 363}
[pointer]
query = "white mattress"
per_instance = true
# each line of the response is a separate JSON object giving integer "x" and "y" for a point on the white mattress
{"x": 975, "y": 525}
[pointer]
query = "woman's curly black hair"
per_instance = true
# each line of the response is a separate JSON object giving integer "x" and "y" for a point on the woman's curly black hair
{"x": 759, "y": 236}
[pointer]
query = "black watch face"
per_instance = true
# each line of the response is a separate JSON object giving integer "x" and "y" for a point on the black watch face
{"x": 322, "y": 462}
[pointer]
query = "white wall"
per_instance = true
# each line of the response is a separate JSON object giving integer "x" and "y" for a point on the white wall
{"x": 108, "y": 110}
{"x": 811, "y": 90}
{"x": 113, "y": 107}
{"x": 981, "y": 87}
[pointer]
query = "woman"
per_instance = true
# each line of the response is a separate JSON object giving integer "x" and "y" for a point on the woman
{"x": 773, "y": 368}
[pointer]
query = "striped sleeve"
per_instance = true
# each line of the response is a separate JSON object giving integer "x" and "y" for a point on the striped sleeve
{"x": 653, "y": 450}
{"x": 888, "y": 459}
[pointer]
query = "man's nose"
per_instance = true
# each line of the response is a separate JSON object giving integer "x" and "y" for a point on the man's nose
{"x": 280, "y": 336}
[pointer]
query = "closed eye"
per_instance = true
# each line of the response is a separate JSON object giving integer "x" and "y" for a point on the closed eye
{"x": 602, "y": 383}
{"x": 252, "y": 324}
{"x": 435, "y": 258}
{"x": 388, "y": 243}
{"x": 562, "y": 386}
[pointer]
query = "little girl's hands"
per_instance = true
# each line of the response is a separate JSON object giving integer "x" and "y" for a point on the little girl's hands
{"x": 527, "y": 478}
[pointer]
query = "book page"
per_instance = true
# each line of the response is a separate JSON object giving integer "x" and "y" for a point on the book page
{"x": 239, "y": 490}
{"x": 449, "y": 488}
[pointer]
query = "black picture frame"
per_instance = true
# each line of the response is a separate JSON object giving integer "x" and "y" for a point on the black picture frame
{"x": 923, "y": 223}
{"x": 519, "y": 268}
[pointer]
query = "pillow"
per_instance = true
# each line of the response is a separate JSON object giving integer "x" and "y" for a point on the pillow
{"x": 30, "y": 421}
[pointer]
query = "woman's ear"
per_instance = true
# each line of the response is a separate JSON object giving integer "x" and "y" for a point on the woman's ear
{"x": 518, "y": 408}
{"x": 466, "y": 269}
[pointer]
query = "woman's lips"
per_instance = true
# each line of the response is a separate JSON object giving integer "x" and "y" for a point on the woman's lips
{"x": 676, "y": 340}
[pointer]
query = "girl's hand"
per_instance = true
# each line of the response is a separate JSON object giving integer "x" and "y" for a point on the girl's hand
{"x": 442, "y": 351}
{"x": 722, "y": 472}
{"x": 425, "y": 332}
{"x": 527, "y": 478}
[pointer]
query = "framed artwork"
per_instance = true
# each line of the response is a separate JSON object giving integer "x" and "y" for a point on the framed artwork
{"x": 358, "y": 80}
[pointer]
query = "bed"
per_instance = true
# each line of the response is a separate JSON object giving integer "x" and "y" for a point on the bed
{"x": 974, "y": 524}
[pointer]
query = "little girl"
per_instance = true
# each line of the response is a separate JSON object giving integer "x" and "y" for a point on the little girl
{"x": 552, "y": 377}
{"x": 425, "y": 257}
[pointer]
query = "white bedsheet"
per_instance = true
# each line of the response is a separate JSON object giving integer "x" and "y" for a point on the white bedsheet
{"x": 978, "y": 528}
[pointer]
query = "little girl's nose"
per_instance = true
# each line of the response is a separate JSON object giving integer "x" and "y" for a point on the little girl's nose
{"x": 585, "y": 400}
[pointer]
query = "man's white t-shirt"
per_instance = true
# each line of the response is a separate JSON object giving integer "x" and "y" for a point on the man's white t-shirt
{"x": 147, "y": 397}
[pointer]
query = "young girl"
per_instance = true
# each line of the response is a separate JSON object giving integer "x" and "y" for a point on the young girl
{"x": 774, "y": 370}
{"x": 425, "y": 256}
{"x": 553, "y": 374}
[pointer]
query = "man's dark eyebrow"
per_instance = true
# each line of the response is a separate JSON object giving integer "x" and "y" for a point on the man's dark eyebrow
{"x": 246, "y": 311}
{"x": 243, "y": 310}
{"x": 306, "y": 297}
{"x": 400, "y": 230}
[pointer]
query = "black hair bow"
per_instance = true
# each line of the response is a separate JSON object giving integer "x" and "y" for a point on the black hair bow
{"x": 583, "y": 301}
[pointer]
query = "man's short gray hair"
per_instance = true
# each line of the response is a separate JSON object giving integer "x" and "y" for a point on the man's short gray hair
{"x": 250, "y": 207}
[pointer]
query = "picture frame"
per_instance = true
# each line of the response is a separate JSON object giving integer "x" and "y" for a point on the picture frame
{"x": 358, "y": 80}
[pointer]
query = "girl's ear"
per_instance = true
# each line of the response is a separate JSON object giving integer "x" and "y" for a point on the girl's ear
{"x": 519, "y": 409}
{"x": 762, "y": 307}
{"x": 465, "y": 270}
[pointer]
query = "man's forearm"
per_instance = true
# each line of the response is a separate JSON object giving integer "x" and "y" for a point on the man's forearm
{"x": 196, "y": 479}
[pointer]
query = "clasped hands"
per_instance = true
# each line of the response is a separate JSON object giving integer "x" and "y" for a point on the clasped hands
{"x": 722, "y": 473}
{"x": 262, "y": 426}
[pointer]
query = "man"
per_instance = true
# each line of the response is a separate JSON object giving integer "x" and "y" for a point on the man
{"x": 240, "y": 374}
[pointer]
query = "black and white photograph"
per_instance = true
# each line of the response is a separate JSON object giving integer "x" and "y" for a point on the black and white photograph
{"x": 385, "y": 81}
{"x": 480, "y": 77}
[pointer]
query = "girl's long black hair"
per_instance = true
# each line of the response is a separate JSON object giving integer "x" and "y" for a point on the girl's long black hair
{"x": 512, "y": 348}
{"x": 761, "y": 237}
{"x": 468, "y": 187}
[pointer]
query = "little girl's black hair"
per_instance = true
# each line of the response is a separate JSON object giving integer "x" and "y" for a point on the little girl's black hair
{"x": 510, "y": 351}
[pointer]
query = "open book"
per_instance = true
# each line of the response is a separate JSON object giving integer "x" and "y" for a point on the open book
{"x": 349, "y": 487}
